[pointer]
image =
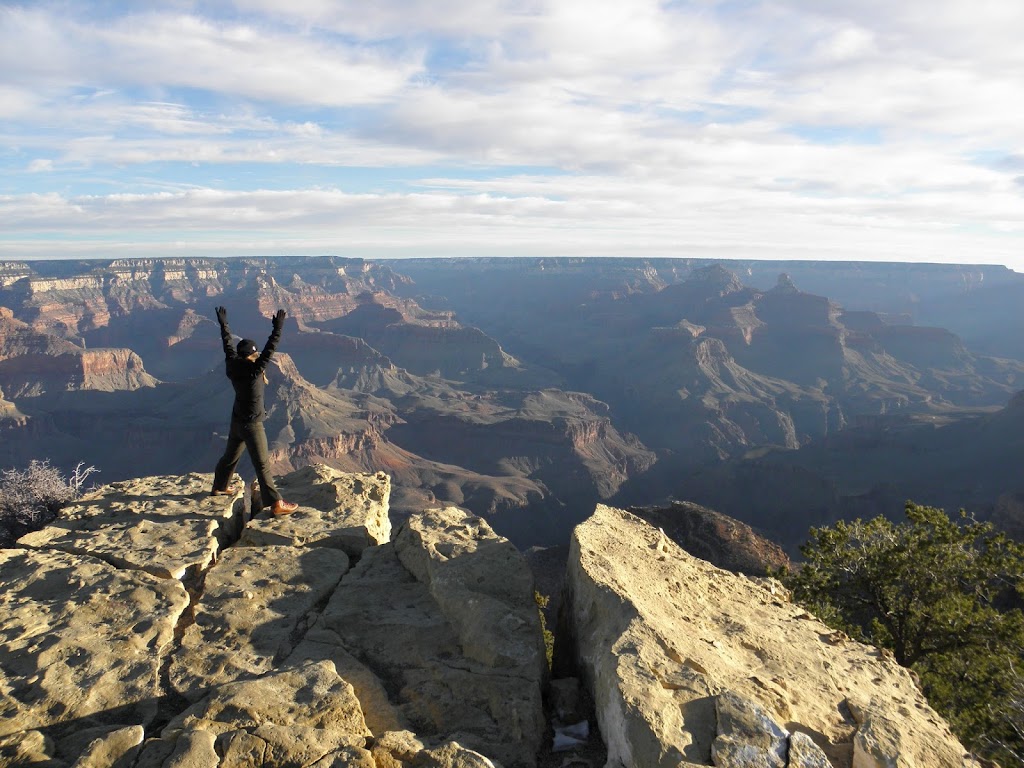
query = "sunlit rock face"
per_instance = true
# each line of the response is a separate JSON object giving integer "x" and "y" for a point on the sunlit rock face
{"x": 152, "y": 622}
{"x": 689, "y": 664}
{"x": 155, "y": 625}
{"x": 101, "y": 370}
{"x": 76, "y": 297}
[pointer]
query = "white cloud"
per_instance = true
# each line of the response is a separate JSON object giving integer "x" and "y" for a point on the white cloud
{"x": 286, "y": 147}
{"x": 400, "y": 18}
{"x": 915, "y": 68}
{"x": 16, "y": 102}
{"x": 159, "y": 51}
{"x": 783, "y": 127}
{"x": 596, "y": 215}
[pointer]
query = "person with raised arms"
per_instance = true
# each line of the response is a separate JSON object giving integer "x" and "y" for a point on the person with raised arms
{"x": 246, "y": 367}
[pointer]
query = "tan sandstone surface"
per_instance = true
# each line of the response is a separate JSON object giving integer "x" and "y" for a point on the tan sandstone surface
{"x": 693, "y": 665}
{"x": 152, "y": 626}
{"x": 344, "y": 510}
{"x": 139, "y": 632}
{"x": 169, "y": 526}
{"x": 82, "y": 641}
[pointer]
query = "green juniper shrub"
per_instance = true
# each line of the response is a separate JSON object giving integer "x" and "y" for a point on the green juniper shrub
{"x": 944, "y": 596}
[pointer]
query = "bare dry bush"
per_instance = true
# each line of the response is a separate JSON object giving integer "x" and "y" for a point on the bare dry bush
{"x": 33, "y": 497}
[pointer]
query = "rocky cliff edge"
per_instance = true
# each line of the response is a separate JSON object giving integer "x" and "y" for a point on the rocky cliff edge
{"x": 692, "y": 665}
{"x": 153, "y": 626}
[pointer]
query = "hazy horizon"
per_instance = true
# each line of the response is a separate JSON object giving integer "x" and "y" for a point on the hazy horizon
{"x": 403, "y": 257}
{"x": 773, "y": 130}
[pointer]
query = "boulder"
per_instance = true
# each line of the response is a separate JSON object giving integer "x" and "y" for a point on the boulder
{"x": 804, "y": 753}
{"x": 747, "y": 735}
{"x": 381, "y": 714}
{"x": 107, "y": 750}
{"x": 659, "y": 637}
{"x": 440, "y": 677}
{"x": 254, "y": 603}
{"x": 395, "y": 749}
{"x": 451, "y": 755}
{"x": 82, "y": 642}
{"x": 347, "y": 757}
{"x": 342, "y": 510}
{"x": 482, "y": 585}
{"x": 155, "y": 753}
{"x": 882, "y": 739}
{"x": 292, "y": 716}
{"x": 195, "y": 749}
{"x": 169, "y": 526}
{"x": 27, "y": 748}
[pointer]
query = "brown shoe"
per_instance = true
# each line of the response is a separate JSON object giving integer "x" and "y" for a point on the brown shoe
{"x": 224, "y": 492}
{"x": 282, "y": 507}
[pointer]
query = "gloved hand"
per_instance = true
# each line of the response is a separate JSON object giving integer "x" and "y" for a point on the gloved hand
{"x": 222, "y": 315}
{"x": 279, "y": 319}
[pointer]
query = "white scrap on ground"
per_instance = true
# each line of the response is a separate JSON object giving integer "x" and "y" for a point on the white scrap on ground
{"x": 570, "y": 736}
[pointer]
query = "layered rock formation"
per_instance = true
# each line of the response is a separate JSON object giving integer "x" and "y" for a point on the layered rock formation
{"x": 425, "y": 346}
{"x": 563, "y": 443}
{"x": 969, "y": 461}
{"x": 401, "y": 365}
{"x": 34, "y": 361}
{"x": 727, "y": 366}
{"x": 692, "y": 665}
{"x": 19, "y": 338}
{"x": 80, "y": 297}
{"x": 981, "y": 303}
{"x": 9, "y": 414}
{"x": 140, "y": 631}
{"x": 102, "y": 370}
{"x": 359, "y": 358}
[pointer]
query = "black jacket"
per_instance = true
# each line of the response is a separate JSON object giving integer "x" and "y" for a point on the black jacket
{"x": 247, "y": 376}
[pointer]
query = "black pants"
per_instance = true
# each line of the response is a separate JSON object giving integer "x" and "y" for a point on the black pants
{"x": 247, "y": 435}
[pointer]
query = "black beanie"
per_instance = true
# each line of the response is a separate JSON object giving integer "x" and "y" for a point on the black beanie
{"x": 246, "y": 347}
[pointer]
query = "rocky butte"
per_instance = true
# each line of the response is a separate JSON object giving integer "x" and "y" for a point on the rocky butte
{"x": 152, "y": 626}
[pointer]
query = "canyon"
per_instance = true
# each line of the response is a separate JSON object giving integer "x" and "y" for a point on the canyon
{"x": 784, "y": 394}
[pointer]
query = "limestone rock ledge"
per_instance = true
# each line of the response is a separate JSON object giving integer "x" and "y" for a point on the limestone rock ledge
{"x": 471, "y": 662}
{"x": 692, "y": 665}
{"x": 169, "y": 526}
{"x": 81, "y": 642}
{"x": 138, "y": 631}
{"x": 253, "y": 604}
{"x": 347, "y": 511}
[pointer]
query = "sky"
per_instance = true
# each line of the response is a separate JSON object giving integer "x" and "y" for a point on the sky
{"x": 754, "y": 129}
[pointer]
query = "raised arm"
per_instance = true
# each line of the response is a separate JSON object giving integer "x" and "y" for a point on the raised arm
{"x": 275, "y": 337}
{"x": 225, "y": 333}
